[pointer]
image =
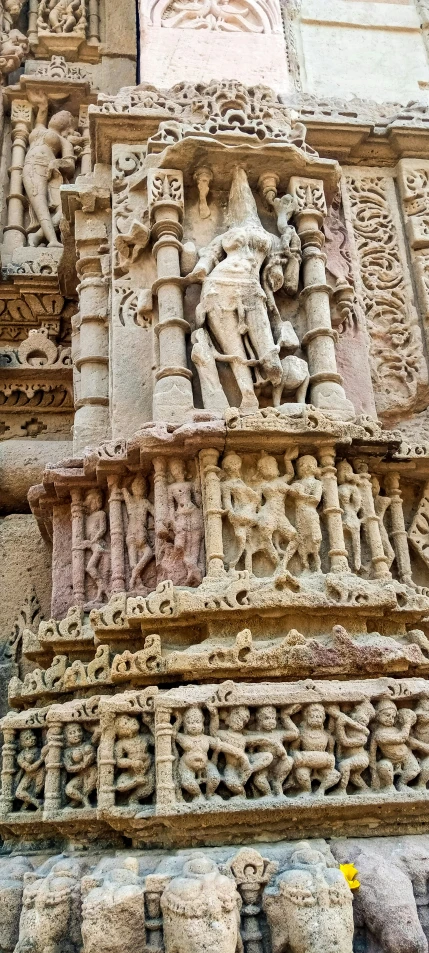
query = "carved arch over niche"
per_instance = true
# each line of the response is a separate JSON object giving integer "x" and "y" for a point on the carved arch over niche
{"x": 241, "y": 16}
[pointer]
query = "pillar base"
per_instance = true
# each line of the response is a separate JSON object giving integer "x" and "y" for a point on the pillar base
{"x": 173, "y": 400}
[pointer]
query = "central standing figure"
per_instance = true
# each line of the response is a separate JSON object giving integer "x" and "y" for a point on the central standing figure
{"x": 233, "y": 302}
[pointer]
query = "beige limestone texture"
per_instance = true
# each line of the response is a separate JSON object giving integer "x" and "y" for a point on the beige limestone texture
{"x": 22, "y": 463}
{"x": 25, "y": 564}
{"x": 377, "y": 49}
{"x": 171, "y": 56}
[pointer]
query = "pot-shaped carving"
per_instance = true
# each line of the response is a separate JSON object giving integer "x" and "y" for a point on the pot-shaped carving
{"x": 310, "y": 906}
{"x": 201, "y": 910}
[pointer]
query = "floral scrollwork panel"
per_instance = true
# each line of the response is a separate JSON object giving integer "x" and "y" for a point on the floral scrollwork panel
{"x": 398, "y": 367}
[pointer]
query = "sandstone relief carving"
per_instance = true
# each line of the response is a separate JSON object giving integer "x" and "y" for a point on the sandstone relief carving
{"x": 201, "y": 909}
{"x": 233, "y": 309}
{"x": 399, "y": 371}
{"x": 311, "y": 896}
{"x": 49, "y": 161}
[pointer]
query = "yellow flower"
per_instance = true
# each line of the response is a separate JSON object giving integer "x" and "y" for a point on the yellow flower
{"x": 349, "y": 871}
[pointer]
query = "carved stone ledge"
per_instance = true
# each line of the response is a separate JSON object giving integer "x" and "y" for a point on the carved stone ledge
{"x": 283, "y": 756}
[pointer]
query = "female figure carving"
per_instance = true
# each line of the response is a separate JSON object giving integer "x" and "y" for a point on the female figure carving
{"x": 49, "y": 160}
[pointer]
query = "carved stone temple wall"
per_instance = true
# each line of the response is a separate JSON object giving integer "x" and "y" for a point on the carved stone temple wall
{"x": 214, "y": 476}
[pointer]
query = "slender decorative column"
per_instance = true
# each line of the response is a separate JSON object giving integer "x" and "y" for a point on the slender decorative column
{"x": 21, "y": 121}
{"x": 326, "y": 388}
{"x": 8, "y": 771}
{"x": 154, "y": 888}
{"x": 106, "y": 761}
{"x": 78, "y": 554}
{"x": 85, "y": 155}
{"x": 91, "y": 425}
{"x": 164, "y": 758}
{"x": 161, "y": 503}
{"x": 33, "y": 13}
{"x": 398, "y": 533}
{"x": 52, "y": 794}
{"x": 172, "y": 398}
{"x": 116, "y": 523}
{"x": 93, "y": 29}
{"x": 212, "y": 504}
{"x": 372, "y": 523}
{"x": 332, "y": 511}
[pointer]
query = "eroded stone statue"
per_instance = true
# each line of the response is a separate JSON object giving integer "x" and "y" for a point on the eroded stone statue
{"x": 139, "y": 509}
{"x": 310, "y": 905}
{"x": 80, "y": 763}
{"x": 49, "y": 161}
{"x": 31, "y": 775}
{"x": 201, "y": 910}
{"x": 135, "y": 778}
{"x": 237, "y": 301}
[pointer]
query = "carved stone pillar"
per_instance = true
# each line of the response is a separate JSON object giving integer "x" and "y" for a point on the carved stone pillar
{"x": 332, "y": 511}
{"x": 106, "y": 761}
{"x": 326, "y": 390}
{"x": 172, "y": 398}
{"x": 116, "y": 524}
{"x": 372, "y": 523}
{"x": 154, "y": 888}
{"x": 161, "y": 503}
{"x": 85, "y": 156}
{"x": 398, "y": 533}
{"x": 8, "y": 771}
{"x": 52, "y": 794}
{"x": 78, "y": 554}
{"x": 164, "y": 758}
{"x": 212, "y": 503}
{"x": 91, "y": 425}
{"x": 21, "y": 121}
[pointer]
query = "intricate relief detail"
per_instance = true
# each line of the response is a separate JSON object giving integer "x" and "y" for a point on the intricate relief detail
{"x": 244, "y": 16}
{"x": 179, "y": 523}
{"x": 219, "y": 108}
{"x": 413, "y": 179}
{"x": 201, "y": 910}
{"x": 165, "y": 186}
{"x": 62, "y": 16}
{"x": 30, "y": 615}
{"x": 58, "y": 68}
{"x": 292, "y": 655}
{"x": 238, "y": 322}
{"x": 312, "y": 895}
{"x": 398, "y": 367}
{"x": 20, "y": 314}
{"x": 418, "y": 533}
{"x": 50, "y": 161}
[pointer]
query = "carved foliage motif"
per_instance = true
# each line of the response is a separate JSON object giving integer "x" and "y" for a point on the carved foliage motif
{"x": 413, "y": 179}
{"x": 220, "y": 108}
{"x": 398, "y": 367}
{"x": 245, "y": 16}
